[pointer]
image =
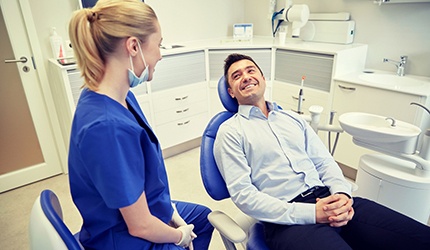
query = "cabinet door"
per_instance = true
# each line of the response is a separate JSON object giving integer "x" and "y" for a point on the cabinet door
{"x": 358, "y": 98}
{"x": 179, "y": 70}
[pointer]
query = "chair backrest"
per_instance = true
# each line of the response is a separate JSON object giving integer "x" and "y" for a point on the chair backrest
{"x": 47, "y": 229}
{"x": 212, "y": 179}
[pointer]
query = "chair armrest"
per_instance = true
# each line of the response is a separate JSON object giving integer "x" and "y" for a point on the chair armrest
{"x": 227, "y": 227}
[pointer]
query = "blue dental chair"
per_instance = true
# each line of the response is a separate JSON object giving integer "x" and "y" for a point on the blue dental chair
{"x": 47, "y": 230}
{"x": 215, "y": 186}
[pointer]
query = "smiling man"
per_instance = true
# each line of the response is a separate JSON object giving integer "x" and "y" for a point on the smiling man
{"x": 278, "y": 171}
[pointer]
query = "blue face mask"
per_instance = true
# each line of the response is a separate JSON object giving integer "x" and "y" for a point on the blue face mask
{"x": 132, "y": 78}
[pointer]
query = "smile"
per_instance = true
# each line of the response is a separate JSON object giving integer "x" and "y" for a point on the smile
{"x": 251, "y": 85}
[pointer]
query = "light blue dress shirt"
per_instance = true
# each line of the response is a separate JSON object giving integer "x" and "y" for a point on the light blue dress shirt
{"x": 267, "y": 162}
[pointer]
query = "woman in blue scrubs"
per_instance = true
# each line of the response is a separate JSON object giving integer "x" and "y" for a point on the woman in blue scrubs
{"x": 116, "y": 169}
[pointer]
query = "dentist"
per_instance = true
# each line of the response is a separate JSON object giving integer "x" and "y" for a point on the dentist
{"x": 116, "y": 170}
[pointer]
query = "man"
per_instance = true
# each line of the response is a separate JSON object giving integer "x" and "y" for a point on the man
{"x": 278, "y": 171}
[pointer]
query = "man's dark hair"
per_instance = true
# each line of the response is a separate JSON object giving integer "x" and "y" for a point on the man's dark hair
{"x": 232, "y": 58}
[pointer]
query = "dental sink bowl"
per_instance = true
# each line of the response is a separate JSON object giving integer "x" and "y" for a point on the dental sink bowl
{"x": 391, "y": 80}
{"x": 374, "y": 131}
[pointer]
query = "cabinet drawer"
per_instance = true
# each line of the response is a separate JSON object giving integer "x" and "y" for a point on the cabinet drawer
{"x": 179, "y": 97}
{"x": 174, "y": 133}
{"x": 180, "y": 113}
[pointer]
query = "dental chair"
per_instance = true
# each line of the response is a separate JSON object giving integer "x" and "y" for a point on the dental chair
{"x": 244, "y": 230}
{"x": 47, "y": 230}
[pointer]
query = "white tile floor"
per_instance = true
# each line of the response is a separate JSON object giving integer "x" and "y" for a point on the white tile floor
{"x": 185, "y": 184}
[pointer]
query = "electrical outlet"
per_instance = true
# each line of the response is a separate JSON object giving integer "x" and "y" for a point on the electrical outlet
{"x": 68, "y": 49}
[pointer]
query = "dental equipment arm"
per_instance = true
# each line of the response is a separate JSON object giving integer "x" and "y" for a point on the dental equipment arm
{"x": 297, "y": 15}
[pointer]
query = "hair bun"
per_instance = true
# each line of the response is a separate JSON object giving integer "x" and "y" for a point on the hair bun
{"x": 92, "y": 16}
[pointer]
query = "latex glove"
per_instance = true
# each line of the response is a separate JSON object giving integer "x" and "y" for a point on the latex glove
{"x": 186, "y": 238}
{"x": 177, "y": 220}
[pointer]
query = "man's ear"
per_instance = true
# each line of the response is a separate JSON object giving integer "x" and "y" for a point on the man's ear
{"x": 230, "y": 92}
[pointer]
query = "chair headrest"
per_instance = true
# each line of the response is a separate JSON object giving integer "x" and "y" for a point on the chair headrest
{"x": 227, "y": 101}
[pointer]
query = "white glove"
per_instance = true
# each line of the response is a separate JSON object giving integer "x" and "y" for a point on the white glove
{"x": 186, "y": 238}
{"x": 177, "y": 222}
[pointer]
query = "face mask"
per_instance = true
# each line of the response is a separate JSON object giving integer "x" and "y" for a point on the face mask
{"x": 132, "y": 78}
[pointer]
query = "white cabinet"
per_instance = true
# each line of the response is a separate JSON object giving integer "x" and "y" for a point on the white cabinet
{"x": 180, "y": 114}
{"x": 179, "y": 97}
{"x": 350, "y": 97}
{"x": 65, "y": 83}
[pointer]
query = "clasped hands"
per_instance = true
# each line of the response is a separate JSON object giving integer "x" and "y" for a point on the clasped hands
{"x": 335, "y": 210}
{"x": 186, "y": 229}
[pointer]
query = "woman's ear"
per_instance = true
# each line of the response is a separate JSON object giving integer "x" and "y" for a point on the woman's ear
{"x": 131, "y": 45}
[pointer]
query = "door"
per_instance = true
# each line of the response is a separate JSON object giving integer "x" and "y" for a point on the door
{"x": 27, "y": 147}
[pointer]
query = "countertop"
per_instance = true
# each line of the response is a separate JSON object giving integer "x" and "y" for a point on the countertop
{"x": 421, "y": 90}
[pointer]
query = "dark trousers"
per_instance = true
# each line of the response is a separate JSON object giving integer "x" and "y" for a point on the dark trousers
{"x": 372, "y": 227}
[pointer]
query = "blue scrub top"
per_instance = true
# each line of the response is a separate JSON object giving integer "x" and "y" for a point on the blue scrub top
{"x": 114, "y": 157}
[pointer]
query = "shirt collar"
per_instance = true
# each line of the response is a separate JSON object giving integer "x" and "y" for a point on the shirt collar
{"x": 246, "y": 110}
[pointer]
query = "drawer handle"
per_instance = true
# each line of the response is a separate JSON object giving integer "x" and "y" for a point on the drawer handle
{"x": 182, "y": 111}
{"x": 183, "y": 123}
{"x": 296, "y": 98}
{"x": 346, "y": 88}
{"x": 181, "y": 98}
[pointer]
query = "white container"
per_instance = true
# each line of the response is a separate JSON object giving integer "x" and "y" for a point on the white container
{"x": 56, "y": 44}
{"x": 392, "y": 182}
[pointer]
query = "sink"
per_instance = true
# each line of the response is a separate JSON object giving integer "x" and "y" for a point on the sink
{"x": 377, "y": 131}
{"x": 391, "y": 80}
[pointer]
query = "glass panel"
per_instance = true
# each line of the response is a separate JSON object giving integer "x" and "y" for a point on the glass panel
{"x": 19, "y": 145}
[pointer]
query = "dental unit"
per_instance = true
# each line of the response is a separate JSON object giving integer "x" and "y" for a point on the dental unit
{"x": 315, "y": 117}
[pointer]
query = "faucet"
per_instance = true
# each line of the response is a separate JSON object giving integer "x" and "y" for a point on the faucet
{"x": 400, "y": 65}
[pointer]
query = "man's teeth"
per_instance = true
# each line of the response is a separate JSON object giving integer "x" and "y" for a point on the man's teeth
{"x": 249, "y": 86}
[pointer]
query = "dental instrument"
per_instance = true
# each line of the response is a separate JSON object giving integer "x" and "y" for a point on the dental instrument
{"x": 299, "y": 107}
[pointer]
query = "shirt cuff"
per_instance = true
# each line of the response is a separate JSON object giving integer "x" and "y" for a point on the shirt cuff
{"x": 304, "y": 213}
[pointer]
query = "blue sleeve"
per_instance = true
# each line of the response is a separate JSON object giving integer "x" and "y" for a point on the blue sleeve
{"x": 114, "y": 160}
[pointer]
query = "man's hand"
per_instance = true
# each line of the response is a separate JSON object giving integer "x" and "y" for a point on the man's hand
{"x": 335, "y": 210}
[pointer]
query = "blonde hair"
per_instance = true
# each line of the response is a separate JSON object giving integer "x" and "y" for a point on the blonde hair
{"x": 95, "y": 33}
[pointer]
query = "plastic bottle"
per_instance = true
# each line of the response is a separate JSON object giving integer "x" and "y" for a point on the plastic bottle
{"x": 56, "y": 44}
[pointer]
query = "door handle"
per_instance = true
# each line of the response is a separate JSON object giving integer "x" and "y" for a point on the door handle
{"x": 23, "y": 59}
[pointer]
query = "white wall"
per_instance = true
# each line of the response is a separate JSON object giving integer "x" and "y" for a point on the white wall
{"x": 390, "y": 30}
{"x": 185, "y": 20}
{"x": 181, "y": 20}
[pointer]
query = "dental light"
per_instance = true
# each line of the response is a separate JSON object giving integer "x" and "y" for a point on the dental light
{"x": 295, "y": 15}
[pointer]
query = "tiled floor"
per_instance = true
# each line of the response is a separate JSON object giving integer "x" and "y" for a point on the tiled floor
{"x": 185, "y": 184}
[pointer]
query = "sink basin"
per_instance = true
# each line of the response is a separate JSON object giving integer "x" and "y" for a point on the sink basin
{"x": 378, "y": 131}
{"x": 391, "y": 80}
